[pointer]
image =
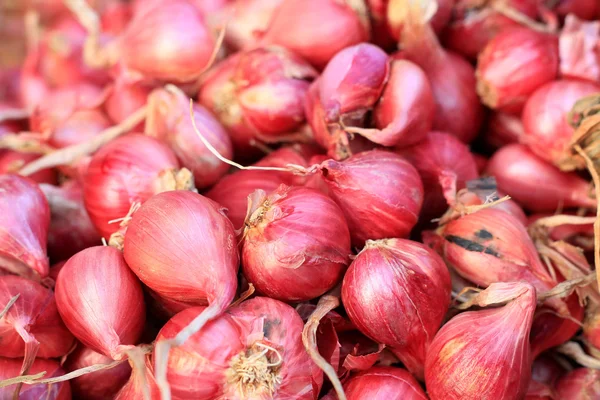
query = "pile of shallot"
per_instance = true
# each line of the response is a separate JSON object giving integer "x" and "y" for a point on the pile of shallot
{"x": 300, "y": 199}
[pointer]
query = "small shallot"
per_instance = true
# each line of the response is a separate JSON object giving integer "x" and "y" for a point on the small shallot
{"x": 9, "y": 368}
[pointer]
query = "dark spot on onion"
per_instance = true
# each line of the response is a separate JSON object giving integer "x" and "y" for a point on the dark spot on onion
{"x": 471, "y": 245}
{"x": 268, "y": 326}
{"x": 483, "y": 234}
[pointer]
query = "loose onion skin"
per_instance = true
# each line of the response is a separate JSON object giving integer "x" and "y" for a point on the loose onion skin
{"x": 296, "y": 243}
{"x": 169, "y": 121}
{"x": 156, "y": 43}
{"x": 439, "y": 157}
{"x": 379, "y": 192}
{"x": 579, "y": 384}
{"x": 211, "y": 363}
{"x": 101, "y": 301}
{"x": 9, "y": 368}
{"x": 315, "y": 29}
{"x": 247, "y": 19}
{"x": 383, "y": 383}
{"x": 164, "y": 235}
{"x": 71, "y": 229}
{"x": 484, "y": 354}
{"x": 25, "y": 218}
{"x": 397, "y": 292}
{"x": 579, "y": 56}
{"x": 124, "y": 171}
{"x": 32, "y": 326}
{"x": 547, "y": 130}
{"x": 513, "y": 65}
{"x": 536, "y": 184}
{"x": 97, "y": 385}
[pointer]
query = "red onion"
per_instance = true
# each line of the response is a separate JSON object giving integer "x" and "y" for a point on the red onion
{"x": 536, "y": 184}
{"x": 405, "y": 111}
{"x": 247, "y": 19}
{"x": 156, "y": 43}
{"x": 316, "y": 29}
{"x": 375, "y": 208}
{"x": 396, "y": 11}
{"x": 484, "y": 354}
{"x": 295, "y": 244}
{"x": 539, "y": 391}
{"x": 80, "y": 127}
{"x": 579, "y": 384}
{"x": 452, "y": 78}
{"x": 591, "y": 326}
{"x": 579, "y": 52}
{"x": 254, "y": 350}
{"x": 124, "y": 99}
{"x": 9, "y": 368}
{"x": 127, "y": 170}
{"x": 101, "y": 301}
{"x": 585, "y": 9}
{"x": 24, "y": 218}
{"x": 513, "y": 65}
{"x": 547, "y": 130}
{"x": 546, "y": 369}
{"x": 232, "y": 190}
{"x": 498, "y": 240}
{"x": 97, "y": 385}
{"x": 115, "y": 17}
{"x": 169, "y": 121}
{"x": 397, "y": 292}
{"x": 258, "y": 94}
{"x": 383, "y": 383}
{"x": 480, "y": 161}
{"x": 442, "y": 161}
{"x": 13, "y": 161}
{"x": 474, "y": 24}
{"x": 503, "y": 129}
{"x": 71, "y": 229}
{"x": 31, "y": 327}
{"x": 140, "y": 381}
{"x": 349, "y": 87}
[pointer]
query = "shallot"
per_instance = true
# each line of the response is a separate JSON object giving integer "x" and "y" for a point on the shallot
{"x": 579, "y": 384}
{"x": 9, "y": 368}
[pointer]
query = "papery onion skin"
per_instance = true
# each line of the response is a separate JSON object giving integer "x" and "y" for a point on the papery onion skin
{"x": 296, "y": 243}
{"x": 156, "y": 43}
{"x": 123, "y": 172}
{"x": 579, "y": 55}
{"x": 379, "y": 192}
{"x": 579, "y": 384}
{"x": 247, "y": 19}
{"x": 12, "y": 161}
{"x": 25, "y": 218}
{"x": 438, "y": 21}
{"x": 397, "y": 292}
{"x": 513, "y": 65}
{"x": 183, "y": 247}
{"x": 97, "y": 385}
{"x": 315, "y": 29}
{"x": 170, "y": 122}
{"x": 547, "y": 130}
{"x": 9, "y": 368}
{"x": 34, "y": 312}
{"x": 101, "y": 301}
{"x": 405, "y": 111}
{"x": 534, "y": 183}
{"x": 71, "y": 229}
{"x": 437, "y": 156}
{"x": 202, "y": 367}
{"x": 484, "y": 354}
{"x": 383, "y": 383}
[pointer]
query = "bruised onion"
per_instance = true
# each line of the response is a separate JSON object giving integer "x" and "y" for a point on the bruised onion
{"x": 9, "y": 368}
{"x": 169, "y": 121}
{"x": 485, "y": 354}
{"x": 547, "y": 129}
{"x": 513, "y": 65}
{"x": 383, "y": 383}
{"x": 129, "y": 169}
{"x": 579, "y": 52}
{"x": 258, "y": 94}
{"x": 379, "y": 192}
{"x": 579, "y": 384}
{"x": 32, "y": 326}
{"x": 397, "y": 292}
{"x": 295, "y": 243}
{"x": 442, "y": 161}
{"x": 316, "y": 29}
{"x": 98, "y": 385}
{"x": 101, "y": 301}
{"x": 24, "y": 218}
{"x": 536, "y": 184}
{"x": 253, "y": 350}
{"x": 405, "y": 111}
{"x": 71, "y": 229}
